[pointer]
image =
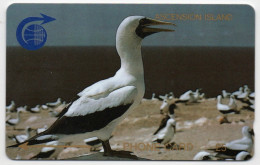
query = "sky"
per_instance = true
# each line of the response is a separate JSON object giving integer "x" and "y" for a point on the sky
{"x": 96, "y": 25}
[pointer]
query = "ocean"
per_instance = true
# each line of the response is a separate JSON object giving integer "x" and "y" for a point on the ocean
{"x": 37, "y": 77}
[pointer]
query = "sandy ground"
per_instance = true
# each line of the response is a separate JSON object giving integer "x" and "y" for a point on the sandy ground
{"x": 197, "y": 126}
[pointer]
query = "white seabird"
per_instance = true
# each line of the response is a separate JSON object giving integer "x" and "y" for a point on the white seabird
{"x": 154, "y": 98}
{"x": 54, "y": 104}
{"x": 225, "y": 94}
{"x": 101, "y": 106}
{"x": 167, "y": 128}
{"x": 46, "y": 152}
{"x": 40, "y": 130}
{"x": 203, "y": 155}
{"x": 22, "y": 138}
{"x": 239, "y": 92}
{"x": 36, "y": 109}
{"x": 22, "y": 109}
{"x": 232, "y": 103}
{"x": 234, "y": 147}
{"x": 44, "y": 107}
{"x": 186, "y": 97}
{"x": 223, "y": 108}
{"x": 243, "y": 156}
{"x": 171, "y": 95}
{"x": 163, "y": 105}
{"x": 11, "y": 107}
{"x": 14, "y": 121}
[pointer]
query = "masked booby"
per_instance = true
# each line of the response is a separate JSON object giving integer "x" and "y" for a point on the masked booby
{"x": 236, "y": 146}
{"x": 101, "y": 106}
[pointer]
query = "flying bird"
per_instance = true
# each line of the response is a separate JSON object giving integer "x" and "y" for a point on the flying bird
{"x": 101, "y": 106}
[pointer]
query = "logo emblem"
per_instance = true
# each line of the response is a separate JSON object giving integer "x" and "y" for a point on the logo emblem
{"x": 33, "y": 36}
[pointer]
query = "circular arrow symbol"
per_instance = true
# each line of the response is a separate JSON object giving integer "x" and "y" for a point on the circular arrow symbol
{"x": 34, "y": 36}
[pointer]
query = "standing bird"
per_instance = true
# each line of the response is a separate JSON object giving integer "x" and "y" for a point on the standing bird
{"x": 103, "y": 105}
{"x": 164, "y": 105}
{"x": 36, "y": 109}
{"x": 54, "y": 104}
{"x": 14, "y": 121}
{"x": 22, "y": 109}
{"x": 239, "y": 92}
{"x": 223, "y": 108}
{"x": 11, "y": 107}
{"x": 167, "y": 128}
{"x": 22, "y": 138}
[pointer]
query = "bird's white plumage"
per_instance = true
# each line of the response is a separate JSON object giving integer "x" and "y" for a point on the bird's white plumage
{"x": 242, "y": 155}
{"x": 56, "y": 103}
{"x": 200, "y": 155}
{"x": 36, "y": 109}
{"x": 220, "y": 106}
{"x": 166, "y": 134}
{"x": 10, "y": 107}
{"x": 48, "y": 149}
{"x": 39, "y": 130}
{"x": 245, "y": 143}
{"x": 14, "y": 121}
{"x": 232, "y": 103}
{"x": 22, "y": 138}
{"x": 239, "y": 92}
{"x": 126, "y": 87}
{"x": 86, "y": 105}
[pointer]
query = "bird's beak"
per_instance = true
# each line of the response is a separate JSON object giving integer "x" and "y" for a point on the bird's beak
{"x": 252, "y": 132}
{"x": 151, "y": 22}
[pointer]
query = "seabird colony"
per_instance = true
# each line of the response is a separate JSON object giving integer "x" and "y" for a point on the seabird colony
{"x": 101, "y": 106}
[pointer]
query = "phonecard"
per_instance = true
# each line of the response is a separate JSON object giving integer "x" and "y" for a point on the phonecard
{"x": 130, "y": 82}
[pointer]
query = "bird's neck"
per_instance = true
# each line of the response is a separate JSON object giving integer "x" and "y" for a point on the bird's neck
{"x": 129, "y": 50}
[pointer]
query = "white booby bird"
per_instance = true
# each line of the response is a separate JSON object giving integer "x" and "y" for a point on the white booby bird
{"x": 244, "y": 95}
{"x": 44, "y": 107}
{"x": 232, "y": 103}
{"x": 167, "y": 128}
{"x": 186, "y": 97}
{"x": 243, "y": 156}
{"x": 14, "y": 121}
{"x": 154, "y": 98}
{"x": 22, "y": 109}
{"x": 54, "y": 104}
{"x": 22, "y": 138}
{"x": 11, "y": 107}
{"x": 225, "y": 94}
{"x": 203, "y": 155}
{"x": 101, "y": 106}
{"x": 239, "y": 92}
{"x": 223, "y": 108}
{"x": 36, "y": 109}
{"x": 163, "y": 97}
{"x": 234, "y": 147}
{"x": 46, "y": 152}
{"x": 40, "y": 130}
{"x": 171, "y": 96}
{"x": 163, "y": 105}
{"x": 252, "y": 95}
